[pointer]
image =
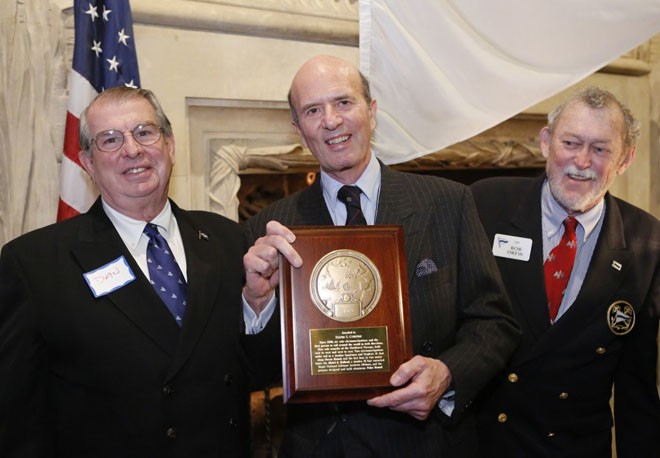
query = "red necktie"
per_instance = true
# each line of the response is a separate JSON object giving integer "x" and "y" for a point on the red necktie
{"x": 558, "y": 267}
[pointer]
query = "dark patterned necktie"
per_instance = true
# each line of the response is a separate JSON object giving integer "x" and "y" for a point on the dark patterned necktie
{"x": 166, "y": 276}
{"x": 350, "y": 196}
{"x": 558, "y": 266}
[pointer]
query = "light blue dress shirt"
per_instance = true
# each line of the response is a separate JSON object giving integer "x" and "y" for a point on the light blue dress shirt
{"x": 587, "y": 232}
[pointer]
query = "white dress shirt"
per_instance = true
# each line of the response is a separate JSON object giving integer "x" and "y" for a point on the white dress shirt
{"x": 131, "y": 232}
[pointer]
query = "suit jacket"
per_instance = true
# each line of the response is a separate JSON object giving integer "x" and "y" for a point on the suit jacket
{"x": 115, "y": 376}
{"x": 553, "y": 398}
{"x": 458, "y": 311}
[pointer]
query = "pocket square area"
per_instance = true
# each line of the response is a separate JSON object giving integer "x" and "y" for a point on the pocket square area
{"x": 425, "y": 267}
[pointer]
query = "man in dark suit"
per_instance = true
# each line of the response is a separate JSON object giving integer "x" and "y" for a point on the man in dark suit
{"x": 462, "y": 330}
{"x": 598, "y": 330}
{"x": 92, "y": 361}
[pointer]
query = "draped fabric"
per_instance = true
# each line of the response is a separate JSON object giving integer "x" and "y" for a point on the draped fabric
{"x": 30, "y": 62}
{"x": 443, "y": 71}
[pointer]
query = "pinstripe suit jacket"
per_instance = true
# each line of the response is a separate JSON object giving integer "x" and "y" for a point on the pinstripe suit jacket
{"x": 459, "y": 314}
{"x": 557, "y": 404}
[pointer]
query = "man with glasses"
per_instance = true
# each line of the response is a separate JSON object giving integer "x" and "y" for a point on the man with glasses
{"x": 100, "y": 354}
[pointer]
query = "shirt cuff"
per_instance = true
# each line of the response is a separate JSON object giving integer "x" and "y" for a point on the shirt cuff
{"x": 446, "y": 402}
{"x": 255, "y": 324}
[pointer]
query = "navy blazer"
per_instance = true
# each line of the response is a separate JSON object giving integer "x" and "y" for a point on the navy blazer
{"x": 553, "y": 398}
{"x": 114, "y": 375}
{"x": 459, "y": 314}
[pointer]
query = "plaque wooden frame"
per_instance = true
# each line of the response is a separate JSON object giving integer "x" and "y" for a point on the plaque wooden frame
{"x": 302, "y": 321}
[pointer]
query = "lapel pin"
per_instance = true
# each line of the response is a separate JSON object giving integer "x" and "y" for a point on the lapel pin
{"x": 202, "y": 236}
{"x": 617, "y": 265}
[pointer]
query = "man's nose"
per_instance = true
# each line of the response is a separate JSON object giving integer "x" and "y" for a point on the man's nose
{"x": 331, "y": 118}
{"x": 130, "y": 147}
{"x": 582, "y": 157}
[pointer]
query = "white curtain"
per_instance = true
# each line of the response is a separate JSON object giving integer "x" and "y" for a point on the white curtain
{"x": 443, "y": 71}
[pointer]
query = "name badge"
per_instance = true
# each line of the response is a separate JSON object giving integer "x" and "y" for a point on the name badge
{"x": 109, "y": 277}
{"x": 512, "y": 247}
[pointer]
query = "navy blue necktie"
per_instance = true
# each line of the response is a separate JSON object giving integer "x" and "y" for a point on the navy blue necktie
{"x": 350, "y": 196}
{"x": 166, "y": 276}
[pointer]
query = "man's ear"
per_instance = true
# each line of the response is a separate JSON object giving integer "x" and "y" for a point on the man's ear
{"x": 87, "y": 162}
{"x": 546, "y": 138}
{"x": 373, "y": 108}
{"x": 169, "y": 145}
{"x": 626, "y": 160}
{"x": 300, "y": 134}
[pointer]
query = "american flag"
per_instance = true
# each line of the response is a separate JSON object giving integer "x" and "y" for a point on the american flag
{"x": 103, "y": 56}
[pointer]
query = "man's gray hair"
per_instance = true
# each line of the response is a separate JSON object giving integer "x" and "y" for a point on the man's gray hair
{"x": 595, "y": 97}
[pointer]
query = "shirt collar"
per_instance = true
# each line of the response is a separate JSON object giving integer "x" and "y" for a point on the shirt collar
{"x": 554, "y": 214}
{"x": 131, "y": 229}
{"x": 369, "y": 183}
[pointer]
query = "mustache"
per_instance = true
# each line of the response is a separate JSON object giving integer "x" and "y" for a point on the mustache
{"x": 587, "y": 174}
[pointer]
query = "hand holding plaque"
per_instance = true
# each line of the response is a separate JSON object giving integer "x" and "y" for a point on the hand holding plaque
{"x": 345, "y": 318}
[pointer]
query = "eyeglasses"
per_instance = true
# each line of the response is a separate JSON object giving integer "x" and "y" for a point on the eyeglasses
{"x": 111, "y": 140}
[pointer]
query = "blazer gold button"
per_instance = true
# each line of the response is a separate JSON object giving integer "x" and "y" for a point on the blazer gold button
{"x": 502, "y": 418}
{"x": 600, "y": 351}
{"x": 171, "y": 433}
{"x": 513, "y": 377}
{"x": 550, "y": 434}
{"x": 563, "y": 395}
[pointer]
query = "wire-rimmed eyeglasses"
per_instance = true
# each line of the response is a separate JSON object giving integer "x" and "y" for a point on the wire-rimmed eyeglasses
{"x": 111, "y": 140}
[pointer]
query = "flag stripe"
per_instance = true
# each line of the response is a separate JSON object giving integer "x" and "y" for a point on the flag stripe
{"x": 80, "y": 93}
{"x": 77, "y": 188}
{"x": 71, "y": 146}
{"x": 65, "y": 211}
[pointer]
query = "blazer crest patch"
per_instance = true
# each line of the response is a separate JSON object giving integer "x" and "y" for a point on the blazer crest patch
{"x": 620, "y": 317}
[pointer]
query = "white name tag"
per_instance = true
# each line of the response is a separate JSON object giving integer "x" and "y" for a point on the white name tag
{"x": 512, "y": 247}
{"x": 109, "y": 277}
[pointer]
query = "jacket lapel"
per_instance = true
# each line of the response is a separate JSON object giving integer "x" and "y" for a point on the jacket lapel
{"x": 528, "y": 276}
{"x": 202, "y": 289}
{"x": 311, "y": 209}
{"x": 396, "y": 206}
{"x": 99, "y": 244}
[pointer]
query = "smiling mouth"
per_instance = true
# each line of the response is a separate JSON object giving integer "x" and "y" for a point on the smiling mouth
{"x": 135, "y": 170}
{"x": 338, "y": 140}
{"x": 579, "y": 177}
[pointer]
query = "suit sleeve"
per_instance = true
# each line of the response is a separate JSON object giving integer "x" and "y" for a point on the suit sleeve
{"x": 636, "y": 397}
{"x": 23, "y": 428}
{"x": 487, "y": 334}
{"x": 262, "y": 349}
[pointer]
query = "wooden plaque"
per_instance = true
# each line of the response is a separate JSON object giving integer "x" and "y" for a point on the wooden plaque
{"x": 345, "y": 317}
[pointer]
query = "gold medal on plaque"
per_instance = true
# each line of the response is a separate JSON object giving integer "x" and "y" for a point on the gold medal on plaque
{"x": 345, "y": 285}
